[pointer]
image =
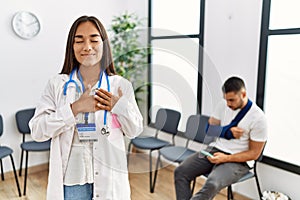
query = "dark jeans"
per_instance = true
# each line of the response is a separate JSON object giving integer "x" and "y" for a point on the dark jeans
{"x": 78, "y": 192}
{"x": 220, "y": 176}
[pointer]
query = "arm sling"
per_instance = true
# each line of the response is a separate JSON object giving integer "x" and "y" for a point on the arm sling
{"x": 224, "y": 131}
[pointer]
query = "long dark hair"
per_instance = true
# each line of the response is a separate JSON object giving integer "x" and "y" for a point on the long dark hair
{"x": 70, "y": 60}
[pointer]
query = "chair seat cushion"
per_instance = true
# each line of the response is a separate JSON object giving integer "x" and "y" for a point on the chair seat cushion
{"x": 5, "y": 151}
{"x": 36, "y": 146}
{"x": 151, "y": 143}
{"x": 176, "y": 153}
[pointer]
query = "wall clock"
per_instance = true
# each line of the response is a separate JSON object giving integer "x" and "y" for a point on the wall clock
{"x": 26, "y": 24}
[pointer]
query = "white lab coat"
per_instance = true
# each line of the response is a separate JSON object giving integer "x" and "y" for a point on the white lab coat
{"x": 54, "y": 119}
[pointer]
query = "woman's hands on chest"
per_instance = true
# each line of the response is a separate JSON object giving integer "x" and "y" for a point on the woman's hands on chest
{"x": 106, "y": 100}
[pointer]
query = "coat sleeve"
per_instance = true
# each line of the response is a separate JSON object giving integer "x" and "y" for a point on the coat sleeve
{"x": 128, "y": 112}
{"x": 51, "y": 118}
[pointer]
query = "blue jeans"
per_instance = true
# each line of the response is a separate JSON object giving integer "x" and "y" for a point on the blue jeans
{"x": 78, "y": 192}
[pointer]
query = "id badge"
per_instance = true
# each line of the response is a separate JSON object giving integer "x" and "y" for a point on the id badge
{"x": 87, "y": 132}
{"x": 85, "y": 124}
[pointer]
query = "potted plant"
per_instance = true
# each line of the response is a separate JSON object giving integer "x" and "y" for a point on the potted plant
{"x": 129, "y": 52}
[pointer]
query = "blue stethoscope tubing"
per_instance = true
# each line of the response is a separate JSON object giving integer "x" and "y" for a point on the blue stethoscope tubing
{"x": 83, "y": 88}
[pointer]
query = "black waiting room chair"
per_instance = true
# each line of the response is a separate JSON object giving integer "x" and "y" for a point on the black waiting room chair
{"x": 251, "y": 174}
{"x": 166, "y": 121}
{"x": 4, "y": 152}
{"x": 22, "y": 119}
{"x": 194, "y": 132}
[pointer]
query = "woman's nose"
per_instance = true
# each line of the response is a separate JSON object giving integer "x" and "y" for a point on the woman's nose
{"x": 87, "y": 46}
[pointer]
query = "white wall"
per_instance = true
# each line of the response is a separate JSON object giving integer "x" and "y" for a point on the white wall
{"x": 231, "y": 43}
{"x": 232, "y": 32}
{"x": 26, "y": 65}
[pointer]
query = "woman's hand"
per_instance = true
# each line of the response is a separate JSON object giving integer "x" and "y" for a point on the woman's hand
{"x": 106, "y": 100}
{"x": 86, "y": 102}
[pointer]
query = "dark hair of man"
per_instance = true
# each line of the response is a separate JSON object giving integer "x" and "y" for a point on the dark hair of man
{"x": 70, "y": 60}
{"x": 233, "y": 84}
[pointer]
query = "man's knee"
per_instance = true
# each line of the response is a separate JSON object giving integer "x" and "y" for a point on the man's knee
{"x": 183, "y": 172}
{"x": 214, "y": 184}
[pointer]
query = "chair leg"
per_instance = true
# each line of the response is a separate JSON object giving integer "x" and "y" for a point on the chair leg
{"x": 26, "y": 169}
{"x": 257, "y": 184}
{"x": 152, "y": 181}
{"x": 21, "y": 163}
{"x": 152, "y": 186}
{"x": 229, "y": 193}
{"x": 2, "y": 171}
{"x": 150, "y": 172}
{"x": 160, "y": 163}
{"x": 16, "y": 176}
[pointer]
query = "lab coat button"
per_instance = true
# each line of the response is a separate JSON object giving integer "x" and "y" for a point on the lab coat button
{"x": 96, "y": 173}
{"x": 97, "y": 195}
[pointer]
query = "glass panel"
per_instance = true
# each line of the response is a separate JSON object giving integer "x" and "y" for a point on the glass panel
{"x": 175, "y": 17}
{"x": 284, "y": 14}
{"x": 174, "y": 77}
{"x": 282, "y": 98}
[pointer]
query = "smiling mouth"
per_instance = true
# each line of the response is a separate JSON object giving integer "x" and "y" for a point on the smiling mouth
{"x": 86, "y": 55}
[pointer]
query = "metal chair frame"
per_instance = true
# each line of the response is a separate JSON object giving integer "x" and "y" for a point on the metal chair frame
{"x": 22, "y": 119}
{"x": 248, "y": 176}
{"x": 195, "y": 131}
{"x": 166, "y": 121}
{"x": 7, "y": 151}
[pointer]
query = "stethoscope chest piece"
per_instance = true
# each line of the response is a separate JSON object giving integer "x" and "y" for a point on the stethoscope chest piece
{"x": 105, "y": 131}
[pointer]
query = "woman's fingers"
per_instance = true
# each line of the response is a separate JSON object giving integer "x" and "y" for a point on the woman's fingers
{"x": 104, "y": 93}
{"x": 100, "y": 106}
{"x": 106, "y": 100}
{"x": 103, "y": 99}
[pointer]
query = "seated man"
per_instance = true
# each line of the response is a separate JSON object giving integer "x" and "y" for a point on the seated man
{"x": 242, "y": 139}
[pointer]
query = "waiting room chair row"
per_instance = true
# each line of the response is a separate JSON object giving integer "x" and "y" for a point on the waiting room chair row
{"x": 167, "y": 121}
{"x": 22, "y": 119}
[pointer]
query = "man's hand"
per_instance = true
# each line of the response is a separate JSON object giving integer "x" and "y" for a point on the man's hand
{"x": 218, "y": 158}
{"x": 237, "y": 132}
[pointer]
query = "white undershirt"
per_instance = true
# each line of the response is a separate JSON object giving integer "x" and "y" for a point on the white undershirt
{"x": 80, "y": 164}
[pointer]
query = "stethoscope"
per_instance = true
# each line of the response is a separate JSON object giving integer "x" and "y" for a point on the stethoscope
{"x": 104, "y": 130}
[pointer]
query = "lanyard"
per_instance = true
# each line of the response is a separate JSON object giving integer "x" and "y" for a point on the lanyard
{"x": 83, "y": 89}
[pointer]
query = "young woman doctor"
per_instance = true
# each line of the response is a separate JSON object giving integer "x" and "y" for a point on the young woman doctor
{"x": 85, "y": 111}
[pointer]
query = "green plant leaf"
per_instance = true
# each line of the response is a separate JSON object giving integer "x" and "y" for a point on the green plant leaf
{"x": 130, "y": 56}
